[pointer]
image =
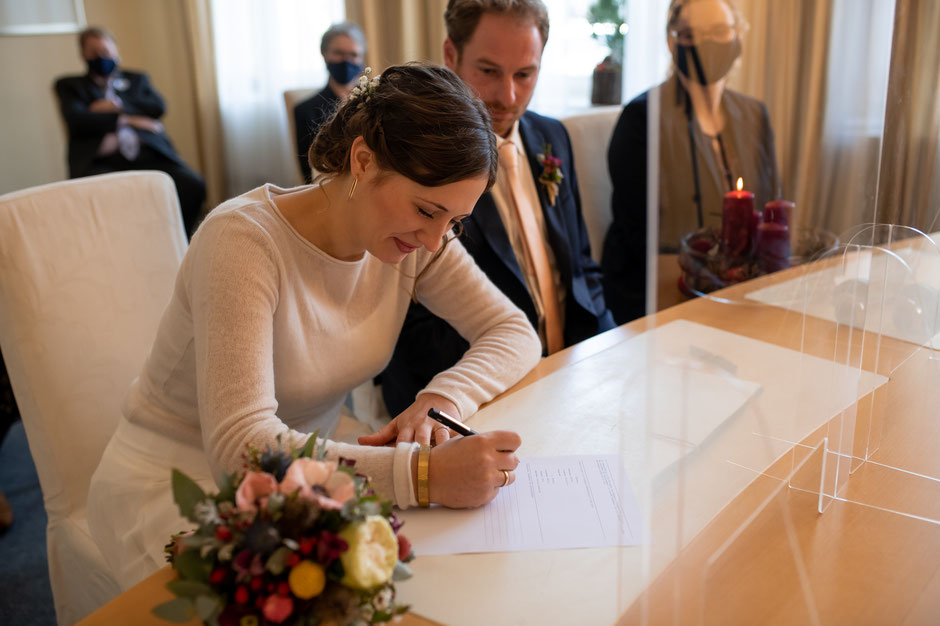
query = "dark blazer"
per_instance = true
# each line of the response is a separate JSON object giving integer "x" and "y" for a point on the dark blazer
{"x": 749, "y": 142}
{"x": 86, "y": 129}
{"x": 309, "y": 116}
{"x": 428, "y": 344}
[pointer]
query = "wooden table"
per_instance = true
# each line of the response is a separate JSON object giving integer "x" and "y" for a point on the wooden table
{"x": 767, "y": 556}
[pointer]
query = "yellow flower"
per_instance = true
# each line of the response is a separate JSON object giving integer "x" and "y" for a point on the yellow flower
{"x": 306, "y": 580}
{"x": 372, "y": 553}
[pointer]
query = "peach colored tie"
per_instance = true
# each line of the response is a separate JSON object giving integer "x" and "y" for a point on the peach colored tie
{"x": 535, "y": 248}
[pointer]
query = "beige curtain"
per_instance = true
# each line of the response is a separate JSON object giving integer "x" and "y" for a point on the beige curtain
{"x": 839, "y": 175}
{"x": 398, "y": 31}
{"x": 909, "y": 175}
{"x": 785, "y": 64}
{"x": 198, "y": 22}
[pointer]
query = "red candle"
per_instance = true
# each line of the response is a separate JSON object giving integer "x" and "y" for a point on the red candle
{"x": 778, "y": 211}
{"x": 772, "y": 244}
{"x": 736, "y": 218}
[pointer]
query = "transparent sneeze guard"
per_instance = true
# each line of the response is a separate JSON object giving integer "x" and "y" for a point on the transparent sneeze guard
{"x": 783, "y": 424}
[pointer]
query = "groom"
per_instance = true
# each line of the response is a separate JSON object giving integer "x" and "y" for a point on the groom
{"x": 527, "y": 234}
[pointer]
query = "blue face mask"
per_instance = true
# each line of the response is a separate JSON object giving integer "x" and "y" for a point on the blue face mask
{"x": 101, "y": 66}
{"x": 344, "y": 72}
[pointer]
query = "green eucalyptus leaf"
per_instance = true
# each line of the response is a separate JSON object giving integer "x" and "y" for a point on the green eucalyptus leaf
{"x": 275, "y": 563}
{"x": 191, "y": 566}
{"x": 208, "y": 607}
{"x": 188, "y": 588}
{"x": 309, "y": 447}
{"x": 401, "y": 572}
{"x": 186, "y": 494}
{"x": 179, "y": 610}
{"x": 227, "y": 490}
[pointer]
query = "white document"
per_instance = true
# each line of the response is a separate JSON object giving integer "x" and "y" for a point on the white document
{"x": 555, "y": 503}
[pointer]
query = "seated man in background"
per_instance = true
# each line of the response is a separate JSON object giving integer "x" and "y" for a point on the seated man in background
{"x": 343, "y": 47}
{"x": 113, "y": 118}
{"x": 527, "y": 234}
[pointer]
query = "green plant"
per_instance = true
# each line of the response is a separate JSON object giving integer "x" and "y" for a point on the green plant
{"x": 610, "y": 14}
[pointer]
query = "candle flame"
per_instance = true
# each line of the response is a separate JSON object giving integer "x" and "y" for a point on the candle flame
{"x": 740, "y": 183}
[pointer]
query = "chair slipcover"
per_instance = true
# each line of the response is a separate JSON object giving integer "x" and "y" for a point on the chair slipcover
{"x": 590, "y": 137}
{"x": 86, "y": 269}
{"x": 293, "y": 97}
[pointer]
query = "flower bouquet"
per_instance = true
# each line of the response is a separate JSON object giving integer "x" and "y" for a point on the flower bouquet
{"x": 292, "y": 540}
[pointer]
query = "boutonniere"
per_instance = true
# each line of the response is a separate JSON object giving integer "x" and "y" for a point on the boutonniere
{"x": 551, "y": 172}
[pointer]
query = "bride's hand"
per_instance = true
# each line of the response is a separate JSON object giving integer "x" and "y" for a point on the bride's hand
{"x": 413, "y": 424}
{"x": 469, "y": 471}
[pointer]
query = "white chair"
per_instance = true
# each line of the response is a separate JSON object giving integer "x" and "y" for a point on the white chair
{"x": 293, "y": 97}
{"x": 86, "y": 268}
{"x": 590, "y": 136}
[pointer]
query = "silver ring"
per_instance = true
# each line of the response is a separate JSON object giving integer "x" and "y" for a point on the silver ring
{"x": 505, "y": 478}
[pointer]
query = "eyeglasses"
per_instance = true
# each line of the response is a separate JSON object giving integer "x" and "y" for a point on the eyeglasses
{"x": 719, "y": 32}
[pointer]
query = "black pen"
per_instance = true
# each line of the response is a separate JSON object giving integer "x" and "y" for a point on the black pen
{"x": 451, "y": 423}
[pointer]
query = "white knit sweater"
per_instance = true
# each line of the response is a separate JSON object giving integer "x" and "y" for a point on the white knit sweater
{"x": 265, "y": 334}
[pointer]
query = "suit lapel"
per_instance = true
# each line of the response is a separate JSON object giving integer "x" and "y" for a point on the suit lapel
{"x": 487, "y": 219}
{"x": 94, "y": 91}
{"x": 534, "y": 140}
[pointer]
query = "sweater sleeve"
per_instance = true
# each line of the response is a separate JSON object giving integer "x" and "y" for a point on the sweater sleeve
{"x": 503, "y": 344}
{"x": 233, "y": 290}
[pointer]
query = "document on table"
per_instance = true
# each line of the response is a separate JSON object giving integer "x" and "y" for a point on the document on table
{"x": 555, "y": 503}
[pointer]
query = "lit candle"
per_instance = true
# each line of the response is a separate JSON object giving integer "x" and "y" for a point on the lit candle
{"x": 772, "y": 244}
{"x": 736, "y": 220}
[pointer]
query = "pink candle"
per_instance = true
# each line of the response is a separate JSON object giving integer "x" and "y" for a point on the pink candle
{"x": 736, "y": 218}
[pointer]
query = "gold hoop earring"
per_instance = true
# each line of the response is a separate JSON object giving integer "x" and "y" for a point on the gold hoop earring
{"x": 352, "y": 189}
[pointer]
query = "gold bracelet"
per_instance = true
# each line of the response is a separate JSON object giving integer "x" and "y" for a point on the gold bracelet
{"x": 424, "y": 471}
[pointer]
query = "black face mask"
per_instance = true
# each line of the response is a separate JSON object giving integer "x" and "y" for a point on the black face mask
{"x": 101, "y": 66}
{"x": 710, "y": 60}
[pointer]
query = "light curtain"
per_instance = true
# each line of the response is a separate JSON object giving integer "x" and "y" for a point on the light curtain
{"x": 262, "y": 48}
{"x": 398, "y": 31}
{"x": 852, "y": 90}
{"x": 198, "y": 21}
{"x": 910, "y": 168}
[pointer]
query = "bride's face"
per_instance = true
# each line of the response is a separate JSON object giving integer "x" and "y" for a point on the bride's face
{"x": 400, "y": 215}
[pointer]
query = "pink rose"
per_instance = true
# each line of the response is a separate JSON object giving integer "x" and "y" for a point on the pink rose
{"x": 277, "y": 608}
{"x": 255, "y": 488}
{"x": 304, "y": 474}
{"x": 341, "y": 487}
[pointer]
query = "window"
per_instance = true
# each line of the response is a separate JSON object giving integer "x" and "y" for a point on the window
{"x": 262, "y": 48}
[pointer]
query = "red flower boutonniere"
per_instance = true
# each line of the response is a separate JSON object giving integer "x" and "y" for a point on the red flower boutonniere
{"x": 551, "y": 172}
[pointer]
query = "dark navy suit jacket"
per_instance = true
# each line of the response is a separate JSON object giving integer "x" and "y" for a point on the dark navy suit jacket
{"x": 429, "y": 345}
{"x": 86, "y": 128}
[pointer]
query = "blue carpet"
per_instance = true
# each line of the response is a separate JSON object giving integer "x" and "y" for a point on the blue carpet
{"x": 25, "y": 595}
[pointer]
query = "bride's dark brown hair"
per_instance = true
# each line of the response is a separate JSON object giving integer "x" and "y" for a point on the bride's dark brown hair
{"x": 420, "y": 121}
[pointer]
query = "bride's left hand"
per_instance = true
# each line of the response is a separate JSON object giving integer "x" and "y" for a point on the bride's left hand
{"x": 413, "y": 424}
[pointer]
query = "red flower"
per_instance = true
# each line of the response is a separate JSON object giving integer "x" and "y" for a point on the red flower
{"x": 306, "y": 545}
{"x": 292, "y": 559}
{"x": 277, "y": 608}
{"x": 404, "y": 547}
{"x": 329, "y": 547}
{"x": 257, "y": 583}
{"x": 217, "y": 575}
{"x": 283, "y": 589}
{"x": 241, "y": 594}
{"x": 223, "y": 533}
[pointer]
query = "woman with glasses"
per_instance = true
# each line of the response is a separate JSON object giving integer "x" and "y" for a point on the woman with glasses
{"x": 708, "y": 137}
